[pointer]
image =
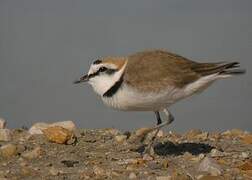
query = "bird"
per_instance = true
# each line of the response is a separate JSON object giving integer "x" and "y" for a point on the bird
{"x": 153, "y": 80}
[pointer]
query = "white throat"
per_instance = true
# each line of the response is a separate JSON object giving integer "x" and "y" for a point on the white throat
{"x": 102, "y": 83}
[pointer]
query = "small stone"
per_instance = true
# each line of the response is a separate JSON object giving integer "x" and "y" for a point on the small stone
{"x": 210, "y": 166}
{"x": 5, "y": 135}
{"x": 132, "y": 175}
{"x": 198, "y": 158}
{"x": 98, "y": 171}
{"x": 69, "y": 125}
{"x": 8, "y": 150}
{"x": 53, "y": 171}
{"x": 35, "y": 153}
{"x": 165, "y": 163}
{"x": 38, "y": 128}
{"x": 112, "y": 131}
{"x": 141, "y": 132}
{"x": 247, "y": 139}
{"x": 202, "y": 136}
{"x": 163, "y": 178}
{"x": 245, "y": 155}
{"x": 147, "y": 157}
{"x": 216, "y": 153}
{"x": 233, "y": 133}
{"x": 120, "y": 138}
{"x": 2, "y": 123}
{"x": 208, "y": 177}
{"x": 247, "y": 166}
{"x": 58, "y": 134}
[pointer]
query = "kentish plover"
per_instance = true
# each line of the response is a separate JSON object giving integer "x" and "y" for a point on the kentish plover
{"x": 153, "y": 80}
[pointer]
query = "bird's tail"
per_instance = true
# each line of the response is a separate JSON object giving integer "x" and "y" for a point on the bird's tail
{"x": 222, "y": 69}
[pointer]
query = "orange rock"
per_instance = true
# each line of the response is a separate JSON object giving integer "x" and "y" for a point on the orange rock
{"x": 58, "y": 134}
{"x": 247, "y": 166}
{"x": 247, "y": 139}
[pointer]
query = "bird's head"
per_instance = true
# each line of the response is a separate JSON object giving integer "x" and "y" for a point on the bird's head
{"x": 104, "y": 73}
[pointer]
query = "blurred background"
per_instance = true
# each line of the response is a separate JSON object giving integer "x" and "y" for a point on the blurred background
{"x": 46, "y": 45}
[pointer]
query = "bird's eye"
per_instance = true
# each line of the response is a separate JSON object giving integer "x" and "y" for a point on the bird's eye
{"x": 102, "y": 69}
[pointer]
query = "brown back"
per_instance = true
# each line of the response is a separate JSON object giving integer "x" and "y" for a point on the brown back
{"x": 156, "y": 70}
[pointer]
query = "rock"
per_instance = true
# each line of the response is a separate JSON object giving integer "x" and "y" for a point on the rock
{"x": 141, "y": 132}
{"x": 38, "y": 128}
{"x": 247, "y": 166}
{"x": 233, "y": 133}
{"x": 245, "y": 155}
{"x": 5, "y": 135}
{"x": 53, "y": 171}
{"x": 8, "y": 150}
{"x": 210, "y": 166}
{"x": 98, "y": 171}
{"x": 203, "y": 136}
{"x": 216, "y": 153}
{"x": 163, "y": 178}
{"x": 120, "y": 138}
{"x": 58, "y": 134}
{"x": 35, "y": 153}
{"x": 208, "y": 177}
{"x": 112, "y": 131}
{"x": 2, "y": 123}
{"x": 147, "y": 157}
{"x": 247, "y": 139}
{"x": 132, "y": 175}
{"x": 69, "y": 163}
{"x": 198, "y": 158}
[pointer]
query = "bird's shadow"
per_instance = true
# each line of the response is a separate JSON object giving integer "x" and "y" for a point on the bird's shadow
{"x": 169, "y": 148}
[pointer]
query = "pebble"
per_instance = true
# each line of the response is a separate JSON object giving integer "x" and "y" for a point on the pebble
{"x": 35, "y": 153}
{"x": 246, "y": 166}
{"x": 58, "y": 134}
{"x": 208, "y": 177}
{"x": 216, "y": 153}
{"x": 2, "y": 123}
{"x": 112, "y": 131}
{"x": 247, "y": 139}
{"x": 98, "y": 171}
{"x": 198, "y": 158}
{"x": 132, "y": 175}
{"x": 8, "y": 150}
{"x": 210, "y": 166}
{"x": 53, "y": 171}
{"x": 142, "y": 132}
{"x": 245, "y": 155}
{"x": 164, "y": 178}
{"x": 38, "y": 128}
{"x": 120, "y": 138}
{"x": 5, "y": 135}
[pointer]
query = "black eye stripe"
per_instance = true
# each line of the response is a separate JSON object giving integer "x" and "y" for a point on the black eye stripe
{"x": 98, "y": 61}
{"x": 103, "y": 69}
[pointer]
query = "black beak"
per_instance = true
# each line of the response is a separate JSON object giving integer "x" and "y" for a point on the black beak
{"x": 82, "y": 79}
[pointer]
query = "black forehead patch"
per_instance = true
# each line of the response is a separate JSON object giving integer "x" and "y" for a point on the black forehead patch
{"x": 98, "y": 61}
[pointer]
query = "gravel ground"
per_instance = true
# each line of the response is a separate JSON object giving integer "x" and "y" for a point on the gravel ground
{"x": 111, "y": 154}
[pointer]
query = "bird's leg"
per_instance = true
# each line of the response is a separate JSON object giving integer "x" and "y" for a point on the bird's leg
{"x": 160, "y": 124}
{"x": 159, "y": 120}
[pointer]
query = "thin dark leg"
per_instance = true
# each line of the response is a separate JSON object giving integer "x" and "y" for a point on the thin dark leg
{"x": 159, "y": 120}
{"x": 168, "y": 121}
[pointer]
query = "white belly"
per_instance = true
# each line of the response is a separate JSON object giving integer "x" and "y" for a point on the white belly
{"x": 130, "y": 99}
